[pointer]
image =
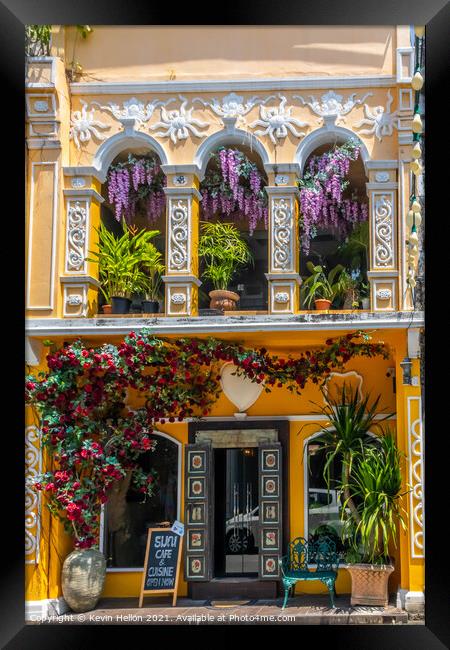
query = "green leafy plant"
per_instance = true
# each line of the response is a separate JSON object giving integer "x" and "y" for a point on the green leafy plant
{"x": 349, "y": 288}
{"x": 93, "y": 440}
{"x": 354, "y": 251}
{"x": 120, "y": 261}
{"x": 319, "y": 285}
{"x": 37, "y": 40}
{"x": 153, "y": 268}
{"x": 345, "y": 434}
{"x": 223, "y": 250}
{"x": 376, "y": 485}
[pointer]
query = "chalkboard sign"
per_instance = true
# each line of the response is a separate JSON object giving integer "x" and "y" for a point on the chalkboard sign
{"x": 162, "y": 563}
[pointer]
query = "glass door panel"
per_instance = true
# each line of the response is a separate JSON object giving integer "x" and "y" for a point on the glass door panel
{"x": 241, "y": 512}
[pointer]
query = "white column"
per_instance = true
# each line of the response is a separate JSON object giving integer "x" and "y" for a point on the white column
{"x": 283, "y": 276}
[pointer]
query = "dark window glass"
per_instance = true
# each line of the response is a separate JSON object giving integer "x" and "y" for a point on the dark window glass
{"x": 324, "y": 504}
{"x": 128, "y": 515}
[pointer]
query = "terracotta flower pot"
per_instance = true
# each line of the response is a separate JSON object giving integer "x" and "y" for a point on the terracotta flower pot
{"x": 370, "y": 584}
{"x": 82, "y": 578}
{"x": 223, "y": 300}
{"x": 107, "y": 309}
{"x": 322, "y": 304}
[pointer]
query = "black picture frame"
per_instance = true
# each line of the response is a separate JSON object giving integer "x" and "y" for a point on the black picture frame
{"x": 435, "y": 14}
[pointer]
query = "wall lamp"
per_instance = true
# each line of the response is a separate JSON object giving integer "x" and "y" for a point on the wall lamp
{"x": 406, "y": 366}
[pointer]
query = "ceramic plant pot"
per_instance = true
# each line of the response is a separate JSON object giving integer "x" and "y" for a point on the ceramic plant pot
{"x": 322, "y": 304}
{"x": 370, "y": 584}
{"x": 83, "y": 577}
{"x": 223, "y": 300}
{"x": 107, "y": 309}
{"x": 120, "y": 305}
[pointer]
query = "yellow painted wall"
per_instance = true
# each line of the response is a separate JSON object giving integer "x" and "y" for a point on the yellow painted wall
{"x": 160, "y": 53}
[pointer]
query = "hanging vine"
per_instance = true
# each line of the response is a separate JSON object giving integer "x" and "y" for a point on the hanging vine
{"x": 95, "y": 440}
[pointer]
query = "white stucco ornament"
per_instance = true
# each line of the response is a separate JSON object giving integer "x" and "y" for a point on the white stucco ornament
{"x": 178, "y": 123}
{"x": 380, "y": 119}
{"x": 331, "y": 104}
{"x": 231, "y": 106}
{"x": 133, "y": 108}
{"x": 276, "y": 121}
{"x": 83, "y": 126}
{"x": 241, "y": 391}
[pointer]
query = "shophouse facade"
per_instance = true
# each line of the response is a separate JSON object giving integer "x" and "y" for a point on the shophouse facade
{"x": 279, "y": 95}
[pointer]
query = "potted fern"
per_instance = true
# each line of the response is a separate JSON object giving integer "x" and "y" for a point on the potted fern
{"x": 320, "y": 287}
{"x": 223, "y": 250}
{"x": 120, "y": 264}
{"x": 376, "y": 486}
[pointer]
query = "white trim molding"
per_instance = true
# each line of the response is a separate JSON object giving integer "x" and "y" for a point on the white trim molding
{"x": 416, "y": 477}
{"x": 383, "y": 227}
{"x": 326, "y": 135}
{"x": 50, "y": 305}
{"x": 48, "y": 327}
{"x": 129, "y": 139}
{"x": 405, "y": 56}
{"x": 33, "y": 464}
{"x": 228, "y": 85}
{"x": 227, "y": 136}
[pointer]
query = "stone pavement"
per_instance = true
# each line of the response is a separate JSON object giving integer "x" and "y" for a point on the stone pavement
{"x": 302, "y": 610}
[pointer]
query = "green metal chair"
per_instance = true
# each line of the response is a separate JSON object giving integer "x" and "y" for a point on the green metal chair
{"x": 296, "y": 565}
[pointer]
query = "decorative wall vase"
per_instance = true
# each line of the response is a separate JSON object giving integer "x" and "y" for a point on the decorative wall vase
{"x": 223, "y": 300}
{"x": 82, "y": 579}
{"x": 241, "y": 391}
{"x": 370, "y": 584}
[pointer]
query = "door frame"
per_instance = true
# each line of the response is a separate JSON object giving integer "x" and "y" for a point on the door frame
{"x": 282, "y": 427}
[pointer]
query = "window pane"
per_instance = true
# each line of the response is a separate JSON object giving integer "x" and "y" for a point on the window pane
{"x": 324, "y": 505}
{"x": 128, "y": 517}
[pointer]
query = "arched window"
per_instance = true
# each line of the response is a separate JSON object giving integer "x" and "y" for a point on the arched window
{"x": 127, "y": 516}
{"x": 245, "y": 206}
{"x": 133, "y": 194}
{"x": 334, "y": 227}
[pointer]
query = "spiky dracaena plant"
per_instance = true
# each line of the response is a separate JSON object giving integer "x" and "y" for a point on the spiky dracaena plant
{"x": 346, "y": 433}
{"x": 376, "y": 484}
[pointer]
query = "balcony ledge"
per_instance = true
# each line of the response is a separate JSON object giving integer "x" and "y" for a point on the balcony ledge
{"x": 187, "y": 326}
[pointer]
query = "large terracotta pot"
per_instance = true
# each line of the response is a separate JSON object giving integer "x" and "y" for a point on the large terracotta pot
{"x": 322, "y": 304}
{"x": 370, "y": 584}
{"x": 83, "y": 577}
{"x": 223, "y": 300}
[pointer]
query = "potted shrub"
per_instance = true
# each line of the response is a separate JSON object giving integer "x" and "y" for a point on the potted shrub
{"x": 320, "y": 287}
{"x": 153, "y": 268}
{"x": 370, "y": 485}
{"x": 349, "y": 288}
{"x": 120, "y": 260}
{"x": 223, "y": 250}
{"x": 364, "y": 293}
{"x": 375, "y": 485}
